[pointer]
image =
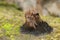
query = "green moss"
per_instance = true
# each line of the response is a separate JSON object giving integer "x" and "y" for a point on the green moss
{"x": 7, "y": 26}
{"x": 12, "y": 19}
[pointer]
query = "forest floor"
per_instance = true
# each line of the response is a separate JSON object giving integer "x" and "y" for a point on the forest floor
{"x": 12, "y": 19}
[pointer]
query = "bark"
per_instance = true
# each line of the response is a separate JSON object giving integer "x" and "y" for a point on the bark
{"x": 32, "y": 15}
{"x": 32, "y": 19}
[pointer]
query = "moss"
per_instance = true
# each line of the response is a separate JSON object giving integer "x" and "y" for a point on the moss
{"x": 12, "y": 19}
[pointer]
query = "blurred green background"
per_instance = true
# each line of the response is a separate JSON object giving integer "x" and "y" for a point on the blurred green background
{"x": 11, "y": 19}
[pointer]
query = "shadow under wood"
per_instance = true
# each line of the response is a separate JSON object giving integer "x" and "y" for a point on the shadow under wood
{"x": 42, "y": 28}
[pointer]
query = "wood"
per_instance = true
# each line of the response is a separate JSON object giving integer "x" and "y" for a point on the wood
{"x": 32, "y": 19}
{"x": 32, "y": 15}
